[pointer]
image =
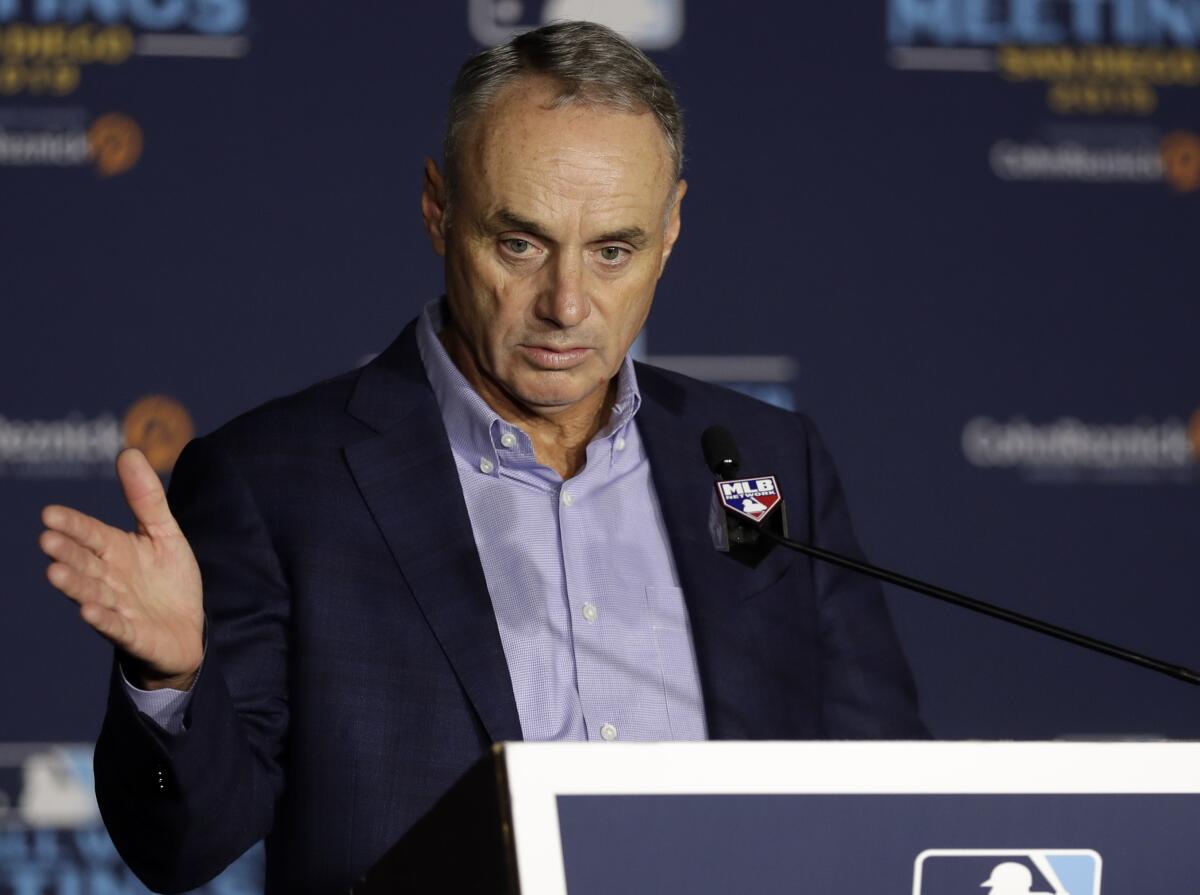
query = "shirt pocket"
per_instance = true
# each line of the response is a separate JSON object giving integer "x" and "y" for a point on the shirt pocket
{"x": 677, "y": 662}
{"x": 667, "y": 608}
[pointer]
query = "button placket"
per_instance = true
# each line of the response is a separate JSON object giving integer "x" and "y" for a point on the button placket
{"x": 587, "y": 631}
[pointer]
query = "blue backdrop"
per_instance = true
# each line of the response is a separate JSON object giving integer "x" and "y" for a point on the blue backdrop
{"x": 961, "y": 235}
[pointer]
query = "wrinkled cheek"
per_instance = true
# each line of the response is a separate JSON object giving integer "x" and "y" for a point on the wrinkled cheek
{"x": 474, "y": 301}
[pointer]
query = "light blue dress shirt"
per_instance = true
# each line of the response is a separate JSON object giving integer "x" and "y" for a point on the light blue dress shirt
{"x": 580, "y": 573}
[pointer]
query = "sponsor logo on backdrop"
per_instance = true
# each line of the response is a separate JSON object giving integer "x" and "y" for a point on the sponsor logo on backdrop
{"x": 160, "y": 427}
{"x": 52, "y": 841}
{"x": 79, "y": 447}
{"x": 1116, "y": 62}
{"x": 1074, "y": 153}
{"x": 1181, "y": 160}
{"x": 115, "y": 143}
{"x": 49, "y": 49}
{"x": 651, "y": 24}
{"x": 1070, "y": 449}
{"x": 111, "y": 143}
{"x": 1034, "y": 871}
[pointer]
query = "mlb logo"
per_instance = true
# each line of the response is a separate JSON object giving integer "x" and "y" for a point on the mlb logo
{"x": 1031, "y": 871}
{"x": 651, "y": 24}
{"x": 752, "y": 498}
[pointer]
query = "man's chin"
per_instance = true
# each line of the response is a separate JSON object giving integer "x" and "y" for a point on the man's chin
{"x": 550, "y": 403}
{"x": 546, "y": 399}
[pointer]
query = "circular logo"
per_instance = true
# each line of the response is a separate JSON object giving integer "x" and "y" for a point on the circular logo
{"x": 1181, "y": 160}
{"x": 1194, "y": 433}
{"x": 115, "y": 142}
{"x": 159, "y": 427}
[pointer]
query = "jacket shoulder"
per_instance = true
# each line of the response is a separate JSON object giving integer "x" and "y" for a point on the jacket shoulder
{"x": 310, "y": 416}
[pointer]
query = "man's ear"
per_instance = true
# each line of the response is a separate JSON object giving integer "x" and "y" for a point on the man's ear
{"x": 433, "y": 206}
{"x": 673, "y": 223}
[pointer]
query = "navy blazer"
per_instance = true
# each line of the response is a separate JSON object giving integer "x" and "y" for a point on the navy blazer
{"x": 354, "y": 670}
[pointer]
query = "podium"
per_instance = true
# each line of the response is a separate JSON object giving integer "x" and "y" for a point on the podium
{"x": 835, "y": 818}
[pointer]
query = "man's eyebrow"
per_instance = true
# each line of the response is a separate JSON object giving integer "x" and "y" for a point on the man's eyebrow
{"x": 635, "y": 236}
{"x": 505, "y": 219}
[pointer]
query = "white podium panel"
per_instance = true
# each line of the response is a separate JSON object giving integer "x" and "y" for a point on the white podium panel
{"x": 930, "y": 818}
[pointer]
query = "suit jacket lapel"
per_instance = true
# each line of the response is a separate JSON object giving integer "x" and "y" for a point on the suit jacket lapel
{"x": 738, "y": 695}
{"x": 407, "y": 477}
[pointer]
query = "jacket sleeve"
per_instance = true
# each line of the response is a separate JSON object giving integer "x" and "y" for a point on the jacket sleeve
{"x": 867, "y": 688}
{"x": 181, "y": 807}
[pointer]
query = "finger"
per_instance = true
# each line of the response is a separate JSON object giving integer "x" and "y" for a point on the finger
{"x": 106, "y": 622}
{"x": 80, "y": 527}
{"x": 82, "y": 589}
{"x": 144, "y": 493}
{"x": 58, "y": 546}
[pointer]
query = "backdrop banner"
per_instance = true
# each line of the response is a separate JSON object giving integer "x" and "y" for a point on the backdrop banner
{"x": 960, "y": 235}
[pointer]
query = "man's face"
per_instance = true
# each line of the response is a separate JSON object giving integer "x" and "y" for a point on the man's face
{"x": 562, "y": 222}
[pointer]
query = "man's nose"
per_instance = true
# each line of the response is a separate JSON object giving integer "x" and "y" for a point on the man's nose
{"x": 564, "y": 299}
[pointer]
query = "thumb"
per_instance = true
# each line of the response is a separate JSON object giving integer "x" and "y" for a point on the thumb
{"x": 144, "y": 492}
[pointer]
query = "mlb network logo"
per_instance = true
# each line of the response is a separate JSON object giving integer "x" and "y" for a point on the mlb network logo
{"x": 1030, "y": 871}
{"x": 752, "y": 498}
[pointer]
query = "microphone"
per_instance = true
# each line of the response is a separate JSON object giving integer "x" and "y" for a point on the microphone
{"x": 720, "y": 452}
{"x": 738, "y": 520}
{"x": 749, "y": 536}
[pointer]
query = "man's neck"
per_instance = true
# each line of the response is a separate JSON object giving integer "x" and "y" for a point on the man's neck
{"x": 560, "y": 440}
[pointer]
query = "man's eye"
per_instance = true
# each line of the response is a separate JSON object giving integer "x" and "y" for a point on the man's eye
{"x": 517, "y": 246}
{"x": 612, "y": 254}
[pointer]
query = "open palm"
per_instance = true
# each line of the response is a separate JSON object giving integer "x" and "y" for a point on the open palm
{"x": 139, "y": 589}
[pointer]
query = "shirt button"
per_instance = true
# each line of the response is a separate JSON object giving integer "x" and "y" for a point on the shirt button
{"x": 608, "y": 732}
{"x": 508, "y": 440}
{"x": 568, "y": 498}
{"x": 590, "y": 613}
{"x": 620, "y": 444}
{"x": 486, "y": 465}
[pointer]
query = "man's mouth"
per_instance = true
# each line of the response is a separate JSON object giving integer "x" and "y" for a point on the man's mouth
{"x": 554, "y": 358}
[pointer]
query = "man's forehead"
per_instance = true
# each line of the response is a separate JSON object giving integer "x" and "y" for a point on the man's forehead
{"x": 544, "y": 96}
{"x": 527, "y": 126}
{"x": 559, "y": 205}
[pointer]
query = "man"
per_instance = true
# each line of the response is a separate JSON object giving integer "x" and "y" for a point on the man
{"x": 496, "y": 530}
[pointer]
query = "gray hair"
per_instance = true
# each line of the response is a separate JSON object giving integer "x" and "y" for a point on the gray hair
{"x": 589, "y": 62}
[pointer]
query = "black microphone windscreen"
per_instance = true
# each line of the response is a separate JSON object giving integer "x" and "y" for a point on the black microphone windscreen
{"x": 720, "y": 451}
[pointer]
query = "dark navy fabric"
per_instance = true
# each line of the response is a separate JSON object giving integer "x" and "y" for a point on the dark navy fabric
{"x": 873, "y": 844}
{"x": 354, "y": 669}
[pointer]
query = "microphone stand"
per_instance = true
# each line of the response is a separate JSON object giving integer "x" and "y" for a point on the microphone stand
{"x": 1178, "y": 672}
{"x": 740, "y": 536}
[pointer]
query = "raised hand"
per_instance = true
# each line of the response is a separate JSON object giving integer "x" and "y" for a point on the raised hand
{"x": 140, "y": 589}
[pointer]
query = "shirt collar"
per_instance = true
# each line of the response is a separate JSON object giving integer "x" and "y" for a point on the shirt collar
{"x": 476, "y": 431}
